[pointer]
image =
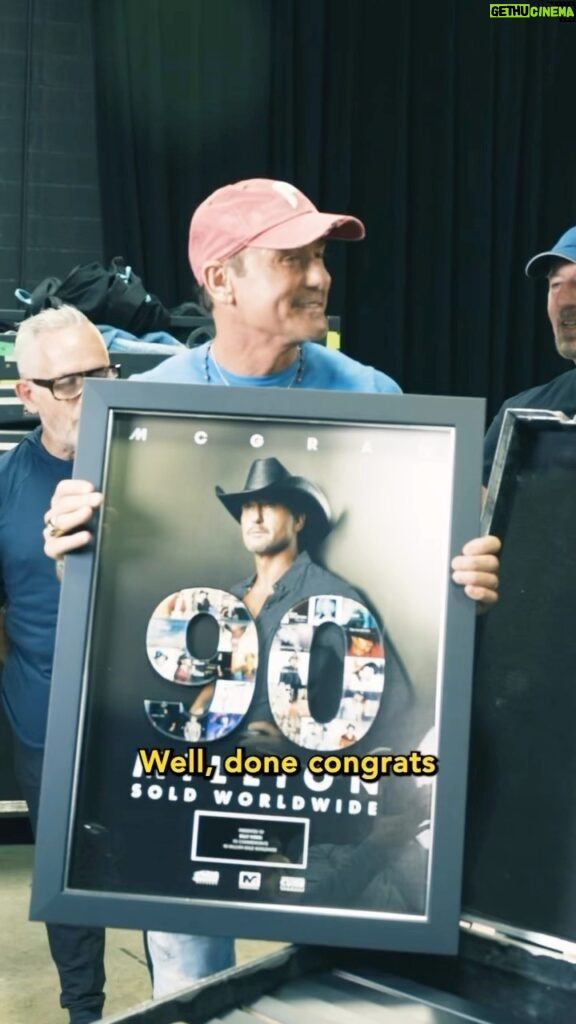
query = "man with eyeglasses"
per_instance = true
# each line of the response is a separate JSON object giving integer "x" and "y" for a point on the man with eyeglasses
{"x": 55, "y": 351}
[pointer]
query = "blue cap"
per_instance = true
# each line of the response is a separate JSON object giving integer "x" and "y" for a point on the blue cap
{"x": 565, "y": 249}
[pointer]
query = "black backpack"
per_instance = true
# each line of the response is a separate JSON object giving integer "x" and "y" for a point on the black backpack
{"x": 113, "y": 295}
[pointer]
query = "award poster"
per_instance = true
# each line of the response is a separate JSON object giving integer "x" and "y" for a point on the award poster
{"x": 263, "y": 672}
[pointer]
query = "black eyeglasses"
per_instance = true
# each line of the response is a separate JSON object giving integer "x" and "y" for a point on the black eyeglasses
{"x": 71, "y": 385}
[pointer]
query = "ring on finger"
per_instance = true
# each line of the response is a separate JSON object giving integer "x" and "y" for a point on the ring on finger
{"x": 53, "y": 529}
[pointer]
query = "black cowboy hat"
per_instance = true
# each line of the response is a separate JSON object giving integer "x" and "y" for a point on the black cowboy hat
{"x": 269, "y": 480}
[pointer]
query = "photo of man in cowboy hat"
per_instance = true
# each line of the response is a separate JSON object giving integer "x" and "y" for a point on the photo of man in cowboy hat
{"x": 283, "y": 519}
{"x": 281, "y": 516}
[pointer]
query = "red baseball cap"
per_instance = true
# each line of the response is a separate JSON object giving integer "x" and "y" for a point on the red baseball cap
{"x": 263, "y": 213}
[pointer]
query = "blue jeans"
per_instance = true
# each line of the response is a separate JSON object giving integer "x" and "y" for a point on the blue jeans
{"x": 180, "y": 960}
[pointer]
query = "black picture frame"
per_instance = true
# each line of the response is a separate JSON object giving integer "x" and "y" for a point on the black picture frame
{"x": 520, "y": 836}
{"x": 380, "y": 858}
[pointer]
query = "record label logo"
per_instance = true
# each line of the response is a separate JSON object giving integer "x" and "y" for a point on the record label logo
{"x": 205, "y": 877}
{"x": 249, "y": 880}
{"x": 290, "y": 883}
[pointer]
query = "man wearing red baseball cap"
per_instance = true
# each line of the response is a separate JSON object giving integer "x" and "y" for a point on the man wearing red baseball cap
{"x": 257, "y": 250}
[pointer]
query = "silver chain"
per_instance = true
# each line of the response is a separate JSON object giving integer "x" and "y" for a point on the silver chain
{"x": 296, "y": 380}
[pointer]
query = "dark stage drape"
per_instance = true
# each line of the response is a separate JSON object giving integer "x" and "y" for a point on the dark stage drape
{"x": 451, "y": 134}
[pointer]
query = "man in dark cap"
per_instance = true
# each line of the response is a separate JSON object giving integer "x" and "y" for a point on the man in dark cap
{"x": 558, "y": 265}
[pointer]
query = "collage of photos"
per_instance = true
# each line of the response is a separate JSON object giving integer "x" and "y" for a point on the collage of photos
{"x": 204, "y": 640}
{"x": 326, "y": 673}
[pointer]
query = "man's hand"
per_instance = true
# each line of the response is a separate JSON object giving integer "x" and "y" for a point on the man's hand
{"x": 477, "y": 569}
{"x": 72, "y": 505}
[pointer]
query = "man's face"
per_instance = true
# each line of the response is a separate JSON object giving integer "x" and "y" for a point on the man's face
{"x": 268, "y": 529}
{"x": 283, "y": 292}
{"x": 562, "y": 307}
{"x": 360, "y": 645}
{"x": 73, "y": 349}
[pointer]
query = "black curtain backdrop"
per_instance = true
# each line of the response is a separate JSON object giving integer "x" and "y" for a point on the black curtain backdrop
{"x": 451, "y": 134}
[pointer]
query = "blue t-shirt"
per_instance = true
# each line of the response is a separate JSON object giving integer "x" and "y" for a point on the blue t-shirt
{"x": 322, "y": 368}
{"x": 29, "y": 588}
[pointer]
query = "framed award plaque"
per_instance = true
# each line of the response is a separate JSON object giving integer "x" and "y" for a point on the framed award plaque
{"x": 261, "y": 687}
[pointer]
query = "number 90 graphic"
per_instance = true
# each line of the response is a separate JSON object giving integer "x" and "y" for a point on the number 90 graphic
{"x": 324, "y": 676}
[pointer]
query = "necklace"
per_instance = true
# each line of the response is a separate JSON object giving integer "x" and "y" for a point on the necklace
{"x": 296, "y": 379}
